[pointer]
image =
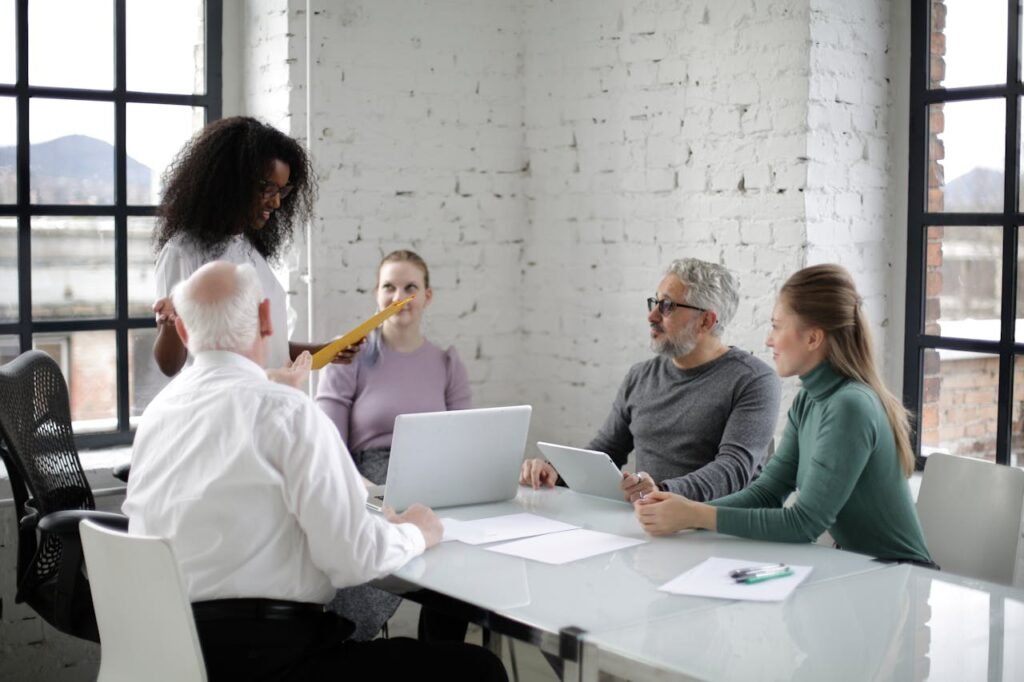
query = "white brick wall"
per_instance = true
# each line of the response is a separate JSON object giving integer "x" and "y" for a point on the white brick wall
{"x": 416, "y": 113}
{"x": 851, "y": 215}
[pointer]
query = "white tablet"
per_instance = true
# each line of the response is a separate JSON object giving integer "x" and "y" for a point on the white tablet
{"x": 585, "y": 471}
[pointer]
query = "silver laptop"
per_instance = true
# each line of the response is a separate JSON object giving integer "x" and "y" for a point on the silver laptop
{"x": 446, "y": 459}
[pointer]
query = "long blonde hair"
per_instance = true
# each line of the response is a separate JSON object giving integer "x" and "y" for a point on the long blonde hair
{"x": 825, "y": 296}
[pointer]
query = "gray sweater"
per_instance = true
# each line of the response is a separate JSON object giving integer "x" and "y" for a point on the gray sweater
{"x": 700, "y": 432}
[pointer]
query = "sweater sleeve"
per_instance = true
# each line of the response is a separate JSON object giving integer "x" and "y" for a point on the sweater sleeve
{"x": 777, "y": 480}
{"x": 745, "y": 439}
{"x": 336, "y": 392}
{"x": 457, "y": 394}
{"x": 845, "y": 439}
{"x": 615, "y": 439}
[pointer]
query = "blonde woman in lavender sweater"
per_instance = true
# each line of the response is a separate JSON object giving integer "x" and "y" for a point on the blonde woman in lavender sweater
{"x": 399, "y": 371}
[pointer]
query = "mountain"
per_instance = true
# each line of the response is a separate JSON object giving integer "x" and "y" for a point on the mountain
{"x": 74, "y": 169}
{"x": 980, "y": 190}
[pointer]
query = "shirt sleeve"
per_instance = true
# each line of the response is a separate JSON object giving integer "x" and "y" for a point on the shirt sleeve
{"x": 325, "y": 493}
{"x": 745, "y": 440}
{"x": 336, "y": 392}
{"x": 457, "y": 394}
{"x": 847, "y": 435}
{"x": 173, "y": 264}
{"x": 614, "y": 438}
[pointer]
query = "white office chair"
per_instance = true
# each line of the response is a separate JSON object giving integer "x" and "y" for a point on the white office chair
{"x": 970, "y": 511}
{"x": 147, "y": 631}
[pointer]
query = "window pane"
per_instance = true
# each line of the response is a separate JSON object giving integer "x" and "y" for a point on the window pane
{"x": 8, "y": 270}
{"x": 968, "y": 43}
{"x": 958, "y": 412}
{"x": 155, "y": 134}
{"x": 145, "y": 379}
{"x": 71, "y": 43}
{"x": 168, "y": 35}
{"x": 1017, "y": 423}
{"x": 8, "y": 49}
{"x": 963, "y": 281}
{"x": 9, "y": 348}
{"x": 965, "y": 156}
{"x": 141, "y": 259}
{"x": 89, "y": 363}
{"x": 8, "y": 151}
{"x": 72, "y": 268}
{"x": 72, "y": 152}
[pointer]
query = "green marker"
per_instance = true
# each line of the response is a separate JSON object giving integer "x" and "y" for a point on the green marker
{"x": 761, "y": 578}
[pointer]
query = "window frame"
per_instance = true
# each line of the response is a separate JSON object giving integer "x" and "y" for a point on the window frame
{"x": 1011, "y": 220}
{"x": 23, "y": 210}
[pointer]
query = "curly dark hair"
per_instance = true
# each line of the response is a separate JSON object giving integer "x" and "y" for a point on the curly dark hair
{"x": 213, "y": 188}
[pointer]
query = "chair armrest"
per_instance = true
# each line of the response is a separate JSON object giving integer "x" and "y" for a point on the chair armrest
{"x": 120, "y": 472}
{"x": 66, "y": 522}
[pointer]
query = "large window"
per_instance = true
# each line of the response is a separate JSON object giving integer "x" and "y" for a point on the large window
{"x": 96, "y": 97}
{"x": 964, "y": 355}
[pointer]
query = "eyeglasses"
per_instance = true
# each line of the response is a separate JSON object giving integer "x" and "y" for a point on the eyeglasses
{"x": 665, "y": 306}
{"x": 269, "y": 189}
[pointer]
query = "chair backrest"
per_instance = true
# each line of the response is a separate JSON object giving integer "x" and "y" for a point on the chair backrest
{"x": 970, "y": 511}
{"x": 147, "y": 630}
{"x": 35, "y": 425}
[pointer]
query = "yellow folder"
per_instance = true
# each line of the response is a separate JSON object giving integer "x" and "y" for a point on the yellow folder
{"x": 328, "y": 352}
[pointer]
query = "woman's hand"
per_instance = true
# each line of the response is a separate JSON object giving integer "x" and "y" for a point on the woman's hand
{"x": 662, "y": 513}
{"x": 163, "y": 308}
{"x": 347, "y": 354}
{"x": 295, "y": 373}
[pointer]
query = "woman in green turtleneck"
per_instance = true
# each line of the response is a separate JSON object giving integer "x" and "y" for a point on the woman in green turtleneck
{"x": 845, "y": 448}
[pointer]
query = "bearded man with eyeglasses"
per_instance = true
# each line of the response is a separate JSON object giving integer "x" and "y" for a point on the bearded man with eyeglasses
{"x": 700, "y": 415}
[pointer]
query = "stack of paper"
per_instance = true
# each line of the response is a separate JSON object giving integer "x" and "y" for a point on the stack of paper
{"x": 565, "y": 547}
{"x": 501, "y": 528}
{"x": 711, "y": 578}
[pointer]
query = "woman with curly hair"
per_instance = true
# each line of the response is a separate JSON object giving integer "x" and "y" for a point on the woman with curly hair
{"x": 235, "y": 192}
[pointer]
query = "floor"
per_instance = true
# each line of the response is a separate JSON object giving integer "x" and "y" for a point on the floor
{"x": 531, "y": 665}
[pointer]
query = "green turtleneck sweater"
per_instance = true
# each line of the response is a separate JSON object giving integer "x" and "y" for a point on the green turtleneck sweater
{"x": 839, "y": 451}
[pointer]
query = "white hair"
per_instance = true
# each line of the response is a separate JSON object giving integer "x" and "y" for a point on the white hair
{"x": 710, "y": 286}
{"x": 230, "y": 322}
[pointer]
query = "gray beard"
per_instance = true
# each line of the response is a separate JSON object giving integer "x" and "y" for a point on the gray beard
{"x": 674, "y": 348}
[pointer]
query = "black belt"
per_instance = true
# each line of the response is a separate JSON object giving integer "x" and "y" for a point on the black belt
{"x": 273, "y": 609}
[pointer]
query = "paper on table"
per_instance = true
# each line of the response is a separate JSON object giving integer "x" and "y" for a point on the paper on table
{"x": 564, "y": 547}
{"x": 710, "y": 578}
{"x": 500, "y": 528}
{"x": 354, "y": 335}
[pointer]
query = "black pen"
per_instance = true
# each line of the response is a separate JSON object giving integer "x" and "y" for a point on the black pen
{"x": 754, "y": 570}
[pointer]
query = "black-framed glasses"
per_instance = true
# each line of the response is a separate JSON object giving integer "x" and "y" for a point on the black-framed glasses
{"x": 665, "y": 306}
{"x": 269, "y": 189}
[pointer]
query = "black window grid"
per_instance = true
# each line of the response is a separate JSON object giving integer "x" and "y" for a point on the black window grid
{"x": 23, "y": 210}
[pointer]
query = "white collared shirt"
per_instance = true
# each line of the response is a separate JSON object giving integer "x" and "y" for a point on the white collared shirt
{"x": 255, "y": 490}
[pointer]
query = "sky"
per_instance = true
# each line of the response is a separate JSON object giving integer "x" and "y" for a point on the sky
{"x": 71, "y": 45}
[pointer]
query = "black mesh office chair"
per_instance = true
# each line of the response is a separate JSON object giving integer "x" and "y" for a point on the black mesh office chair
{"x": 51, "y": 493}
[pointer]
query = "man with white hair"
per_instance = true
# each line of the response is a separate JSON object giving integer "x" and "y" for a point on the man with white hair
{"x": 254, "y": 489}
{"x": 700, "y": 415}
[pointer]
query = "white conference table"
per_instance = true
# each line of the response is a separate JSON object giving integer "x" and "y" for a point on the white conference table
{"x": 901, "y": 623}
{"x": 554, "y": 606}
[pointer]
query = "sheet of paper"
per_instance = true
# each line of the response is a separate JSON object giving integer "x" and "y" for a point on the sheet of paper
{"x": 500, "y": 528}
{"x": 561, "y": 548}
{"x": 710, "y": 578}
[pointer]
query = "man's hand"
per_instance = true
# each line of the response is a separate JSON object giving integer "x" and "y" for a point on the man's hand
{"x": 294, "y": 373}
{"x": 422, "y": 517}
{"x": 635, "y": 486}
{"x": 537, "y": 473}
{"x": 661, "y": 513}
